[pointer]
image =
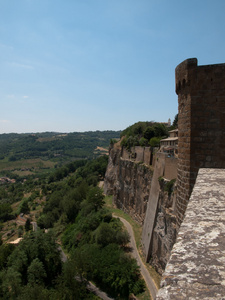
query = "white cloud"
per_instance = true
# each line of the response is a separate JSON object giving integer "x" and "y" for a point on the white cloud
{"x": 4, "y": 121}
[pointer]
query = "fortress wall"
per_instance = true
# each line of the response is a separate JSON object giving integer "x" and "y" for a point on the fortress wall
{"x": 128, "y": 181}
{"x": 152, "y": 243}
{"x": 151, "y": 211}
{"x": 201, "y": 124}
{"x": 147, "y": 156}
{"x": 196, "y": 268}
{"x": 170, "y": 168}
{"x": 131, "y": 188}
{"x": 138, "y": 154}
{"x": 125, "y": 154}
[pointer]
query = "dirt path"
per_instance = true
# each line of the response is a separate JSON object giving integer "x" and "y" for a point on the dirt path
{"x": 148, "y": 280}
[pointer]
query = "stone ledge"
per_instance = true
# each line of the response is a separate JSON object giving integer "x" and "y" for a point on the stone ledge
{"x": 196, "y": 269}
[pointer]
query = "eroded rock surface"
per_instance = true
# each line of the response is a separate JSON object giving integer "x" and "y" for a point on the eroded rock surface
{"x": 129, "y": 182}
{"x": 164, "y": 232}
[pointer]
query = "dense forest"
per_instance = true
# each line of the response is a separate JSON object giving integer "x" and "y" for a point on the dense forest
{"x": 63, "y": 209}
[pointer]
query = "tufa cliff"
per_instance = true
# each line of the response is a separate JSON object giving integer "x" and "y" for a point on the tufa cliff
{"x": 141, "y": 186}
{"x": 164, "y": 231}
{"x": 129, "y": 180}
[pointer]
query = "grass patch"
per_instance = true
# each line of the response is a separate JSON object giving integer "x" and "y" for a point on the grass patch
{"x": 137, "y": 228}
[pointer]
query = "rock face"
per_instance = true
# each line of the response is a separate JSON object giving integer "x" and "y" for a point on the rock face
{"x": 111, "y": 172}
{"x": 137, "y": 190}
{"x": 164, "y": 232}
{"x": 129, "y": 182}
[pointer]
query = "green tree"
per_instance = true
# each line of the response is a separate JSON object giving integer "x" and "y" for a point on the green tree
{"x": 69, "y": 287}
{"x": 11, "y": 283}
{"x": 105, "y": 234}
{"x": 71, "y": 204}
{"x": 24, "y": 208}
{"x": 122, "y": 238}
{"x": 143, "y": 142}
{"x": 155, "y": 142}
{"x": 5, "y": 212}
{"x": 36, "y": 272}
{"x": 37, "y": 292}
{"x": 149, "y": 133}
{"x": 20, "y": 231}
{"x": 5, "y": 251}
{"x": 175, "y": 121}
{"x": 95, "y": 197}
{"x": 160, "y": 130}
{"x": 41, "y": 246}
{"x": 28, "y": 225}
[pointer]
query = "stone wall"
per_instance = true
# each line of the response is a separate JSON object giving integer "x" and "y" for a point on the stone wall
{"x": 131, "y": 188}
{"x": 196, "y": 269}
{"x": 170, "y": 168}
{"x": 201, "y": 124}
{"x": 129, "y": 181}
{"x": 115, "y": 153}
{"x": 138, "y": 154}
{"x": 158, "y": 234}
{"x": 164, "y": 231}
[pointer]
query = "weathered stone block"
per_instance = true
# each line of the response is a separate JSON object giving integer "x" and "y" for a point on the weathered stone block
{"x": 196, "y": 269}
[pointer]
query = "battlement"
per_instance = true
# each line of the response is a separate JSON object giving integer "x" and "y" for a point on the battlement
{"x": 190, "y": 77}
{"x": 182, "y": 73}
{"x": 201, "y": 108}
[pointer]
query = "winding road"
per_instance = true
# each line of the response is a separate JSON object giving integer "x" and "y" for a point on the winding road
{"x": 148, "y": 280}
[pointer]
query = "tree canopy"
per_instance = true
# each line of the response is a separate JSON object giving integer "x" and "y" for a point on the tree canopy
{"x": 143, "y": 134}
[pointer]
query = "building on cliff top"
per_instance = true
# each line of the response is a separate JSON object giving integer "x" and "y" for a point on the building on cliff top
{"x": 170, "y": 144}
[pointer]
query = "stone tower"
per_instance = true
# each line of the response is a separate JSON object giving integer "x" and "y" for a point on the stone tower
{"x": 201, "y": 123}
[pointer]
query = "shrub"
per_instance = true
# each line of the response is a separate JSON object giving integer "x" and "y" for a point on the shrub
{"x": 169, "y": 186}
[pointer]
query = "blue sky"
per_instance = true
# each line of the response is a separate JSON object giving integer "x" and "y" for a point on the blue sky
{"x": 80, "y": 65}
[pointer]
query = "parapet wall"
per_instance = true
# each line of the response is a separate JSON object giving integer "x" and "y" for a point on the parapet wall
{"x": 196, "y": 269}
{"x": 201, "y": 124}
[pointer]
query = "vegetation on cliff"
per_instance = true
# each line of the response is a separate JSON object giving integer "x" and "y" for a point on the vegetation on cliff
{"x": 143, "y": 134}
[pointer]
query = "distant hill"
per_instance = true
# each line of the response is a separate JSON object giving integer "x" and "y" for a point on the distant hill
{"x": 56, "y": 147}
